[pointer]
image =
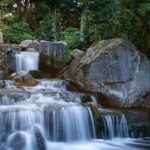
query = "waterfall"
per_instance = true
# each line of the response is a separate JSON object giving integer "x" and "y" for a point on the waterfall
{"x": 27, "y": 61}
{"x": 55, "y": 119}
{"x": 69, "y": 124}
{"x": 43, "y": 118}
{"x": 52, "y": 84}
{"x": 115, "y": 126}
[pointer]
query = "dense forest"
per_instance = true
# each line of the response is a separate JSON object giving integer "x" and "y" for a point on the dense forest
{"x": 80, "y": 23}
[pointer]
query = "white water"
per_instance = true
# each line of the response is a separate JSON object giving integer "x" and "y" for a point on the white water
{"x": 56, "y": 121}
{"x": 115, "y": 126}
{"x": 26, "y": 61}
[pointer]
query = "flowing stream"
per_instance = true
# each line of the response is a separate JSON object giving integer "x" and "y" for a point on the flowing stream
{"x": 49, "y": 117}
{"x": 26, "y": 61}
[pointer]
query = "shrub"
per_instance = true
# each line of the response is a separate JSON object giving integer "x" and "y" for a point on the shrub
{"x": 16, "y": 32}
{"x": 72, "y": 37}
{"x": 46, "y": 29}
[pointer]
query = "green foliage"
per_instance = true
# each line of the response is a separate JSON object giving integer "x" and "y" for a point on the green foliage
{"x": 16, "y": 32}
{"x": 80, "y": 22}
{"x": 46, "y": 31}
{"x": 71, "y": 36}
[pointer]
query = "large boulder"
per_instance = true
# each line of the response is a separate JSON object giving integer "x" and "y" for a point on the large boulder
{"x": 115, "y": 70}
{"x": 53, "y": 57}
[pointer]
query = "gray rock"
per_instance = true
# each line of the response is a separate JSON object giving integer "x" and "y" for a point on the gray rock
{"x": 9, "y": 47}
{"x": 29, "y": 44}
{"x": 2, "y": 84}
{"x": 31, "y": 49}
{"x": 54, "y": 51}
{"x": 23, "y": 78}
{"x": 11, "y": 61}
{"x": 116, "y": 70}
{"x": 76, "y": 54}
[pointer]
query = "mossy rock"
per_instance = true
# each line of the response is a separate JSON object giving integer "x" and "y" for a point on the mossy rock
{"x": 37, "y": 74}
{"x": 31, "y": 82}
{"x": 86, "y": 99}
{"x": 96, "y": 115}
{"x": 24, "y": 79}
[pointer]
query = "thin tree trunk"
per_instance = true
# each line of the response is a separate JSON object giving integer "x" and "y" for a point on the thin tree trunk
{"x": 54, "y": 25}
{"x": 19, "y": 10}
{"x": 25, "y": 11}
{"x": 83, "y": 24}
{"x": 146, "y": 34}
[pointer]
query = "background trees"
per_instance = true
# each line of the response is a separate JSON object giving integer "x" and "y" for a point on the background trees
{"x": 79, "y": 22}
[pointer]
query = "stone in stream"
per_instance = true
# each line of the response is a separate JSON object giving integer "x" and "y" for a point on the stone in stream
{"x": 17, "y": 141}
{"x": 23, "y": 78}
{"x": 115, "y": 70}
{"x": 40, "y": 141}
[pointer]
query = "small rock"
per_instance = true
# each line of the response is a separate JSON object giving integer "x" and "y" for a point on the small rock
{"x": 36, "y": 74}
{"x": 76, "y": 54}
{"x": 2, "y": 84}
{"x": 29, "y": 44}
{"x": 23, "y": 78}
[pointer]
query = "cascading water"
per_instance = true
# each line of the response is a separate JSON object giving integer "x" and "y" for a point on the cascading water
{"x": 54, "y": 119}
{"x": 115, "y": 126}
{"x": 26, "y": 61}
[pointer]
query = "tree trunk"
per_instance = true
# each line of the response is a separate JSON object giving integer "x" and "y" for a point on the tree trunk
{"x": 146, "y": 34}
{"x": 83, "y": 24}
{"x": 25, "y": 11}
{"x": 19, "y": 10}
{"x": 54, "y": 25}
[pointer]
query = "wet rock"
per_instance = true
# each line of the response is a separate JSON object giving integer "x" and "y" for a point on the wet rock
{"x": 53, "y": 57}
{"x": 3, "y": 65}
{"x": 17, "y": 141}
{"x": 36, "y": 74}
{"x": 2, "y": 84}
{"x": 95, "y": 114}
{"x": 86, "y": 99}
{"x": 2, "y": 74}
{"x": 115, "y": 69}
{"x": 41, "y": 144}
{"x": 138, "y": 123}
{"x": 23, "y": 78}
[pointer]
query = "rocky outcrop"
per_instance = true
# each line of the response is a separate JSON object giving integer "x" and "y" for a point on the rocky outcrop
{"x": 3, "y": 63}
{"x": 53, "y": 57}
{"x": 76, "y": 54}
{"x": 9, "y": 47}
{"x": 23, "y": 78}
{"x": 116, "y": 71}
